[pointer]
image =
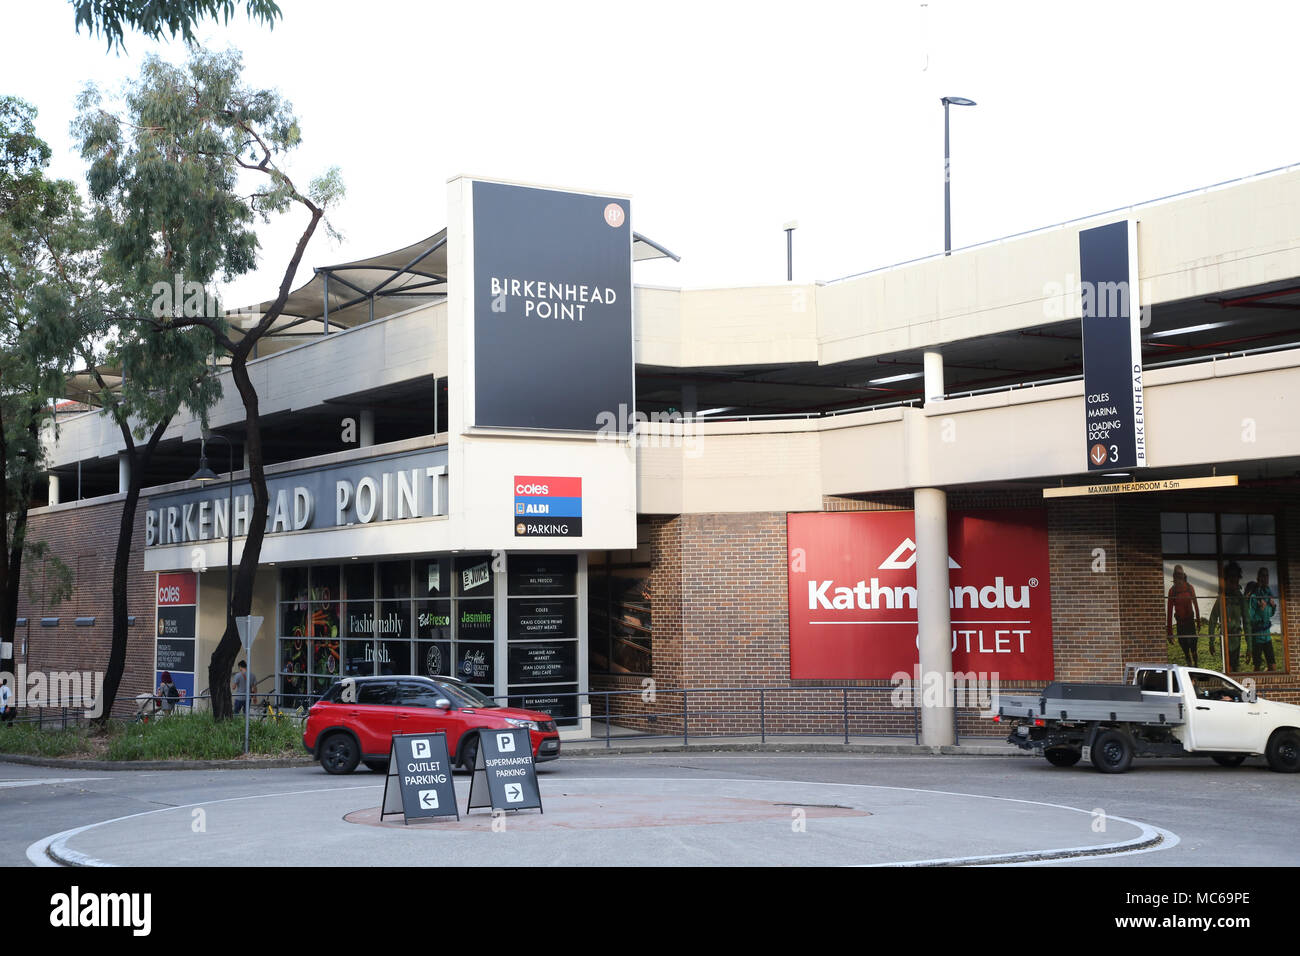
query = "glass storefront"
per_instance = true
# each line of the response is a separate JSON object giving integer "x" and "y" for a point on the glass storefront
{"x": 387, "y": 617}
{"x": 516, "y": 634}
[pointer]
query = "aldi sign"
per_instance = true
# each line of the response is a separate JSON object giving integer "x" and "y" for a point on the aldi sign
{"x": 853, "y": 598}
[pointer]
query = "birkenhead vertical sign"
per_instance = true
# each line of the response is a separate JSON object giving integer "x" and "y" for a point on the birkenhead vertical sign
{"x": 1112, "y": 350}
{"x": 552, "y": 282}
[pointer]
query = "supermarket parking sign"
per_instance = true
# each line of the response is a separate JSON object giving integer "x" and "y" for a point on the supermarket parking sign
{"x": 547, "y": 506}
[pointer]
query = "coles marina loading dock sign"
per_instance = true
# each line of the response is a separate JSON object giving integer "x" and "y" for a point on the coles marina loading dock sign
{"x": 505, "y": 777}
{"x": 1112, "y": 347}
{"x": 423, "y": 786}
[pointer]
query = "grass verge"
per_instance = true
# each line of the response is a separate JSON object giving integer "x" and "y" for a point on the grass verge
{"x": 181, "y": 736}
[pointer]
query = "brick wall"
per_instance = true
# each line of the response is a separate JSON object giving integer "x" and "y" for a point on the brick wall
{"x": 84, "y": 536}
{"x": 723, "y": 580}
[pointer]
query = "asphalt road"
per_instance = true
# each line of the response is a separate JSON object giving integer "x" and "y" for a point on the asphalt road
{"x": 883, "y": 806}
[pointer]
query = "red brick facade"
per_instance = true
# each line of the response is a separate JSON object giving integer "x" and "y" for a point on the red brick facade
{"x": 721, "y": 617}
{"x": 84, "y": 536}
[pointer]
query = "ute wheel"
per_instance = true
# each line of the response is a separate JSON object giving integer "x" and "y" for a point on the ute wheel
{"x": 377, "y": 766}
{"x": 1062, "y": 756}
{"x": 1112, "y": 752}
{"x": 339, "y": 753}
{"x": 1228, "y": 760}
{"x": 1283, "y": 751}
{"x": 468, "y": 752}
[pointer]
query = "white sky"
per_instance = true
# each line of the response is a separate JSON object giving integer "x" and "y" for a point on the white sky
{"x": 724, "y": 121}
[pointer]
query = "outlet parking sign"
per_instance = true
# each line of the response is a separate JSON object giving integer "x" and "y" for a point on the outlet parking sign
{"x": 419, "y": 782}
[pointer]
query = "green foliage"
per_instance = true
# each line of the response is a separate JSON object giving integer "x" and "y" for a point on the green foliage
{"x": 45, "y": 251}
{"x": 23, "y": 154}
{"x": 154, "y": 18}
{"x": 27, "y": 738}
{"x": 184, "y": 736}
{"x": 180, "y": 736}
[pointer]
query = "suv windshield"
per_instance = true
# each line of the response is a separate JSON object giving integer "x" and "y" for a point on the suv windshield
{"x": 463, "y": 695}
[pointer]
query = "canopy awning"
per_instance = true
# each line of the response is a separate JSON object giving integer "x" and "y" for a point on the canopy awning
{"x": 346, "y": 295}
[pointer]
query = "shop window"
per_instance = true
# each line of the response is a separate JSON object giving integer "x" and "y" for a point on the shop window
{"x": 1222, "y": 591}
{"x": 364, "y": 619}
{"x": 619, "y": 617}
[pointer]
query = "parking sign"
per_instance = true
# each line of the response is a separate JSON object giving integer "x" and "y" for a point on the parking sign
{"x": 504, "y": 775}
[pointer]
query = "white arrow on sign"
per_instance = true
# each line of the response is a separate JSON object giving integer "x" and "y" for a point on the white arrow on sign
{"x": 514, "y": 793}
{"x": 428, "y": 799}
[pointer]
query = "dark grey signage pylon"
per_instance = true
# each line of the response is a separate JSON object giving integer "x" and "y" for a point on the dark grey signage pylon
{"x": 505, "y": 777}
{"x": 424, "y": 786}
{"x": 1114, "y": 413}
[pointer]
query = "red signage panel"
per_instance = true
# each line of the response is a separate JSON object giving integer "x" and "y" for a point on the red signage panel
{"x": 547, "y": 486}
{"x": 852, "y": 594}
{"x": 177, "y": 588}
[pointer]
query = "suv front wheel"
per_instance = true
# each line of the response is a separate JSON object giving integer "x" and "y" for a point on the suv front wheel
{"x": 339, "y": 753}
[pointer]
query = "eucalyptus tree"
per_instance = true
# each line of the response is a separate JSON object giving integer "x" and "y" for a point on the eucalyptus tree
{"x": 196, "y": 150}
{"x": 38, "y": 337}
{"x": 157, "y": 19}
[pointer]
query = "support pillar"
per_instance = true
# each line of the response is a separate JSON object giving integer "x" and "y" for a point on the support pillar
{"x": 934, "y": 618}
{"x": 123, "y": 472}
{"x": 54, "y": 489}
{"x": 934, "y": 390}
{"x": 933, "y": 615}
{"x": 366, "y": 427}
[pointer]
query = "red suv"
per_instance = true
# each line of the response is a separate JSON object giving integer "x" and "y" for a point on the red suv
{"x": 355, "y": 720}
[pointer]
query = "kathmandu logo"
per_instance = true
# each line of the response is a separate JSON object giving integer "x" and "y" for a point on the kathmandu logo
{"x": 897, "y": 562}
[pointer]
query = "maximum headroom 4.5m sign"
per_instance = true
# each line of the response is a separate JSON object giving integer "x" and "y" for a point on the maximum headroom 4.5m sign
{"x": 552, "y": 307}
{"x": 853, "y": 594}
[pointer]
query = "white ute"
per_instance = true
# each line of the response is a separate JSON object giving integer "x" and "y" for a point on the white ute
{"x": 1163, "y": 710}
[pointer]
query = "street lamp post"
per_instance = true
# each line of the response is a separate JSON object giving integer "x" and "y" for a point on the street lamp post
{"x": 789, "y": 228}
{"x": 206, "y": 474}
{"x": 947, "y": 190}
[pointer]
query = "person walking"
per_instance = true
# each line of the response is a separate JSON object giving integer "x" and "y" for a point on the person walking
{"x": 238, "y": 683}
{"x": 167, "y": 694}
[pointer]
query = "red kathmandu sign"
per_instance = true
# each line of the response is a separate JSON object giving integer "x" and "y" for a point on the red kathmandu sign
{"x": 853, "y": 594}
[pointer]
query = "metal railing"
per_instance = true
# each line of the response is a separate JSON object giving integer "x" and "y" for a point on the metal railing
{"x": 835, "y": 717}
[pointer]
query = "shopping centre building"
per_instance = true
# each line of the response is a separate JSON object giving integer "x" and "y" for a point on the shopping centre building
{"x": 492, "y": 455}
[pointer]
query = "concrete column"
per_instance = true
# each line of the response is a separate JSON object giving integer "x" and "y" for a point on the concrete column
{"x": 934, "y": 390}
{"x": 54, "y": 489}
{"x": 123, "y": 472}
{"x": 934, "y": 620}
{"x": 246, "y": 456}
{"x": 366, "y": 428}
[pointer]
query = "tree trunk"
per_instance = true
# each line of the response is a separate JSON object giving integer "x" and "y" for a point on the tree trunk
{"x": 14, "y": 540}
{"x": 122, "y": 566}
{"x": 223, "y": 658}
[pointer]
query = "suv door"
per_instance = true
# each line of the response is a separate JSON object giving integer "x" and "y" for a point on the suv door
{"x": 418, "y": 712}
{"x": 374, "y": 716}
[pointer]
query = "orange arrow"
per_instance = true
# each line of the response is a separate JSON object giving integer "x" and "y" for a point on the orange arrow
{"x": 1098, "y": 454}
